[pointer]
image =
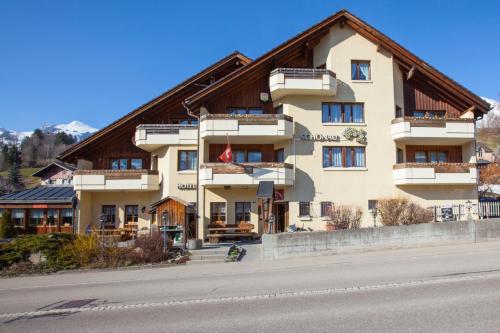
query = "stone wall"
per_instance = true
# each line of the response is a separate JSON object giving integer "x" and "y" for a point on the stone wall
{"x": 285, "y": 245}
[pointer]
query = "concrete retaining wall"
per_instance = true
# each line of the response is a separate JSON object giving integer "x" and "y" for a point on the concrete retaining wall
{"x": 322, "y": 242}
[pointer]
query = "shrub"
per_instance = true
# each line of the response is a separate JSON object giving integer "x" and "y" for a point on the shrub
{"x": 416, "y": 214}
{"x": 7, "y": 229}
{"x": 82, "y": 251}
{"x": 148, "y": 249}
{"x": 401, "y": 211}
{"x": 345, "y": 217}
{"x": 21, "y": 248}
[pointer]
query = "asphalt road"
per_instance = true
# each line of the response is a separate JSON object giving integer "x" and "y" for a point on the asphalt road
{"x": 454, "y": 288}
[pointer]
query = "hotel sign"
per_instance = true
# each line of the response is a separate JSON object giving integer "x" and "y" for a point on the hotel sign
{"x": 319, "y": 137}
{"x": 186, "y": 186}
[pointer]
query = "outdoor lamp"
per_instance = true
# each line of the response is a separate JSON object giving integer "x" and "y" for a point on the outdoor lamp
{"x": 468, "y": 205}
{"x": 164, "y": 220}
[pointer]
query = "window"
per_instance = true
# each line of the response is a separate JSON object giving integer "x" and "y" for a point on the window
{"x": 254, "y": 156}
{"x": 187, "y": 121}
{"x": 239, "y": 156}
{"x": 217, "y": 212}
{"x": 131, "y": 214}
{"x": 399, "y": 112}
{"x": 242, "y": 111}
{"x": 52, "y": 181}
{"x": 400, "y": 156}
{"x": 438, "y": 156}
{"x": 109, "y": 214}
{"x": 420, "y": 156}
{"x": 123, "y": 163}
{"x": 326, "y": 208}
{"x": 18, "y": 217}
{"x": 187, "y": 160}
{"x": 136, "y": 163}
{"x": 242, "y": 212}
{"x": 279, "y": 155}
{"x": 304, "y": 208}
{"x": 342, "y": 113}
{"x": 52, "y": 216}
{"x": 36, "y": 217}
{"x": 278, "y": 109}
{"x": 346, "y": 157}
{"x": 360, "y": 70}
{"x": 66, "y": 216}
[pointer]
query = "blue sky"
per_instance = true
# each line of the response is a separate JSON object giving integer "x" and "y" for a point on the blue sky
{"x": 94, "y": 61}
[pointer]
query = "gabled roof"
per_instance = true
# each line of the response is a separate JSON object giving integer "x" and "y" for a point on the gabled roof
{"x": 59, "y": 164}
{"x": 344, "y": 17}
{"x": 42, "y": 194}
{"x": 485, "y": 147}
{"x": 207, "y": 72}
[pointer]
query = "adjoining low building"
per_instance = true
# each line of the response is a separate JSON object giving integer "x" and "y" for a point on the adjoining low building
{"x": 485, "y": 156}
{"x": 338, "y": 115}
{"x": 47, "y": 208}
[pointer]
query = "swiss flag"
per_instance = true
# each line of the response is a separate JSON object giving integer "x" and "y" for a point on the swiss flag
{"x": 227, "y": 155}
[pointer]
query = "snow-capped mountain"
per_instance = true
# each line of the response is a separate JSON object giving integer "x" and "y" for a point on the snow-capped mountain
{"x": 75, "y": 128}
{"x": 495, "y": 112}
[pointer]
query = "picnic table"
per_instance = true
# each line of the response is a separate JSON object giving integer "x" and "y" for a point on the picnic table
{"x": 218, "y": 231}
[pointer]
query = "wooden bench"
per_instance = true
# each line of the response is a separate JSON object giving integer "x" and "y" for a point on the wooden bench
{"x": 216, "y": 231}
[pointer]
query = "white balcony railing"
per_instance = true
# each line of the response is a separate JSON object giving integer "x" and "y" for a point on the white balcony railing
{"x": 220, "y": 174}
{"x": 302, "y": 81}
{"x": 434, "y": 174}
{"x": 150, "y": 137}
{"x": 446, "y": 129}
{"x": 263, "y": 127}
{"x": 116, "y": 180}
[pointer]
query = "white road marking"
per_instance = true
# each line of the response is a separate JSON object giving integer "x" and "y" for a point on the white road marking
{"x": 217, "y": 300}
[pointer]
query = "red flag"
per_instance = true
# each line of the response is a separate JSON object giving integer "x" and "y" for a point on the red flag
{"x": 227, "y": 155}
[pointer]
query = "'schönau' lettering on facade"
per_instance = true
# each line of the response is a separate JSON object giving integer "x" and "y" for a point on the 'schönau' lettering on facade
{"x": 319, "y": 137}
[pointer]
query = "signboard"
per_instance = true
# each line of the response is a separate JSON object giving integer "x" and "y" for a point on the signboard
{"x": 319, "y": 137}
{"x": 447, "y": 213}
{"x": 279, "y": 195}
{"x": 186, "y": 186}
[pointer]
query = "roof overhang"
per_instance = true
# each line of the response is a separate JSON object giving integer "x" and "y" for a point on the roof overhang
{"x": 343, "y": 17}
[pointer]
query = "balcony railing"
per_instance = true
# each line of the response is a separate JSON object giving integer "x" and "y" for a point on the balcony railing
{"x": 451, "y": 129}
{"x": 153, "y": 136}
{"x": 302, "y": 81}
{"x": 246, "y": 173}
{"x": 113, "y": 180}
{"x": 165, "y": 128}
{"x": 303, "y": 73}
{"x": 435, "y": 173}
{"x": 272, "y": 127}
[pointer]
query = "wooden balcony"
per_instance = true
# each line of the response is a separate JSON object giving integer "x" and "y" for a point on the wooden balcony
{"x": 260, "y": 128}
{"x": 302, "y": 81}
{"x": 150, "y": 137}
{"x": 116, "y": 180}
{"x": 221, "y": 174}
{"x": 435, "y": 174}
{"x": 422, "y": 130}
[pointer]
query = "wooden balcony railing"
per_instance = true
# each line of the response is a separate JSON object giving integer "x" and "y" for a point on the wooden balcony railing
{"x": 249, "y": 119}
{"x": 223, "y": 168}
{"x": 165, "y": 128}
{"x": 439, "y": 167}
{"x": 303, "y": 73}
{"x": 118, "y": 174}
{"x": 430, "y": 122}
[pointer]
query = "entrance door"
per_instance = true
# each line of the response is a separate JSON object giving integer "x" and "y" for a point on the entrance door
{"x": 281, "y": 212}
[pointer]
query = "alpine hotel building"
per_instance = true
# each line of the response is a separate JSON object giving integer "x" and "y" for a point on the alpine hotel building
{"x": 338, "y": 115}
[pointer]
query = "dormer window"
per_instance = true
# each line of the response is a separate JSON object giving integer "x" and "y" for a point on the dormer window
{"x": 360, "y": 70}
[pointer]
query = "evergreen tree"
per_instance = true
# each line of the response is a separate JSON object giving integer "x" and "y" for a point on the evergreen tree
{"x": 14, "y": 176}
{"x": 7, "y": 229}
